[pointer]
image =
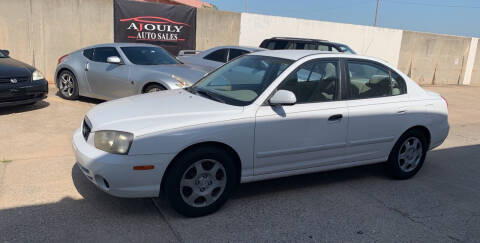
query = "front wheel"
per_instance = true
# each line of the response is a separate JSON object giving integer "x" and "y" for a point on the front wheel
{"x": 200, "y": 181}
{"x": 153, "y": 88}
{"x": 408, "y": 155}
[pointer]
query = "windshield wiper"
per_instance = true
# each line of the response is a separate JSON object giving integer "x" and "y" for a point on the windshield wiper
{"x": 208, "y": 94}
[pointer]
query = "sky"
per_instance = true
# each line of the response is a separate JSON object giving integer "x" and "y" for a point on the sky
{"x": 454, "y": 17}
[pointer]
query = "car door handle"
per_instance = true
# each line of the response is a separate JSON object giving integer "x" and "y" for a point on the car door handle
{"x": 401, "y": 112}
{"x": 87, "y": 66}
{"x": 335, "y": 117}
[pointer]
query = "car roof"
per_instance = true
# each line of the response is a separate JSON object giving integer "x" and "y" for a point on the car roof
{"x": 120, "y": 44}
{"x": 299, "y": 39}
{"x": 249, "y": 48}
{"x": 299, "y": 54}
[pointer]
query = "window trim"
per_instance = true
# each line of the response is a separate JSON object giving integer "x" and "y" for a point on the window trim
{"x": 347, "y": 94}
{"x": 338, "y": 86}
{"x": 403, "y": 80}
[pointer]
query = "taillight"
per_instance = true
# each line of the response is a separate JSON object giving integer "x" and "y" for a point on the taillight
{"x": 445, "y": 100}
{"x": 61, "y": 58}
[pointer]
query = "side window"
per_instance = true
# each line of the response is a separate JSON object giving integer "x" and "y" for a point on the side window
{"x": 367, "y": 80}
{"x": 102, "y": 53}
{"x": 322, "y": 47}
{"x": 235, "y": 53}
{"x": 88, "y": 53}
{"x": 398, "y": 84}
{"x": 217, "y": 56}
{"x": 315, "y": 81}
{"x": 303, "y": 46}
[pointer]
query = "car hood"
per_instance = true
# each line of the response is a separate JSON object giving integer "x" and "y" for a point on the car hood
{"x": 12, "y": 68}
{"x": 184, "y": 71}
{"x": 159, "y": 111}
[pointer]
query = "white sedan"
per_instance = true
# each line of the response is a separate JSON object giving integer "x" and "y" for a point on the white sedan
{"x": 264, "y": 115}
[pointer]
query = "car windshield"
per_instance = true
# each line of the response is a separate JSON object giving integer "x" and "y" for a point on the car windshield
{"x": 2, "y": 55}
{"x": 242, "y": 80}
{"x": 148, "y": 55}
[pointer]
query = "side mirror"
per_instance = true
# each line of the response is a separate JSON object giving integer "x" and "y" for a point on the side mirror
{"x": 283, "y": 97}
{"x": 6, "y": 52}
{"x": 114, "y": 60}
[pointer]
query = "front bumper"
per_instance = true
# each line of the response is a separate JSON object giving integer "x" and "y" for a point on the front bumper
{"x": 23, "y": 93}
{"x": 114, "y": 173}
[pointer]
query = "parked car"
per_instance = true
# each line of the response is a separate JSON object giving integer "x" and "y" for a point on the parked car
{"x": 20, "y": 83}
{"x": 110, "y": 71}
{"x": 213, "y": 58}
{"x": 280, "y": 43}
{"x": 264, "y": 115}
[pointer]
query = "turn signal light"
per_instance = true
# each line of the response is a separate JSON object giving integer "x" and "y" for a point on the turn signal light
{"x": 143, "y": 167}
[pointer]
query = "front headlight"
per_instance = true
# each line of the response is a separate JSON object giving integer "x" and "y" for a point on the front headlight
{"x": 181, "y": 82}
{"x": 37, "y": 75}
{"x": 114, "y": 142}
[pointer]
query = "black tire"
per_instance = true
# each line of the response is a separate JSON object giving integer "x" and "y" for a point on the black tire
{"x": 178, "y": 170}
{"x": 396, "y": 168}
{"x": 153, "y": 88}
{"x": 69, "y": 95}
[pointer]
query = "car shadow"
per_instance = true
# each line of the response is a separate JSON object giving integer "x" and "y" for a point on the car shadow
{"x": 24, "y": 108}
{"x": 83, "y": 99}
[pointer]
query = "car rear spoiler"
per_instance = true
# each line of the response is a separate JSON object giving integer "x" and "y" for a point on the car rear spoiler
{"x": 187, "y": 52}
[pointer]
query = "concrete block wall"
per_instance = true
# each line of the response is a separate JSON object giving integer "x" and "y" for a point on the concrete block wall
{"x": 433, "y": 59}
{"x": 39, "y": 32}
{"x": 475, "y": 76}
{"x": 366, "y": 40}
{"x": 217, "y": 28}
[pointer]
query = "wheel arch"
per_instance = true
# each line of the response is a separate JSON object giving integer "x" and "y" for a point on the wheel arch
{"x": 146, "y": 84}
{"x": 64, "y": 68}
{"x": 226, "y": 147}
{"x": 424, "y": 130}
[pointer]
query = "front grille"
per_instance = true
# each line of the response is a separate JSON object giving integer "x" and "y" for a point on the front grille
{"x": 18, "y": 80}
{"x": 86, "y": 128}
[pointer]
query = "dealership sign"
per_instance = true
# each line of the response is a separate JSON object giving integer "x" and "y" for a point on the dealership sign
{"x": 169, "y": 26}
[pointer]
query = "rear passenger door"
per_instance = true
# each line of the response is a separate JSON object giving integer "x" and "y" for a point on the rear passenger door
{"x": 377, "y": 106}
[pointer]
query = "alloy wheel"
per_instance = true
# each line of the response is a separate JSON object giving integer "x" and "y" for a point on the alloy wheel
{"x": 203, "y": 183}
{"x": 66, "y": 85}
{"x": 410, "y": 154}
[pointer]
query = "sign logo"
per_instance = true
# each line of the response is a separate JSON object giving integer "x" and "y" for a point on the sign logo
{"x": 151, "y": 28}
{"x": 13, "y": 80}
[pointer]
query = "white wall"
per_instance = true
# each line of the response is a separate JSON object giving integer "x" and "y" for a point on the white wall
{"x": 371, "y": 41}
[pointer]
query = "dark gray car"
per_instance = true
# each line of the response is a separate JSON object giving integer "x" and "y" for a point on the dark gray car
{"x": 110, "y": 71}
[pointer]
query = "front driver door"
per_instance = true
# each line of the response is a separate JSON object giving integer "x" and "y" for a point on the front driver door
{"x": 312, "y": 132}
{"x": 108, "y": 80}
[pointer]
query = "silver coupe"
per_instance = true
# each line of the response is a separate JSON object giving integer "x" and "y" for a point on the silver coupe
{"x": 110, "y": 71}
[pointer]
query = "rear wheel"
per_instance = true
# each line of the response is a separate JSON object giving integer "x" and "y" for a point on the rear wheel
{"x": 200, "y": 181}
{"x": 408, "y": 154}
{"x": 67, "y": 85}
{"x": 153, "y": 88}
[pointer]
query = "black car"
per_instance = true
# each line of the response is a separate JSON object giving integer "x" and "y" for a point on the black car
{"x": 20, "y": 83}
{"x": 280, "y": 43}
